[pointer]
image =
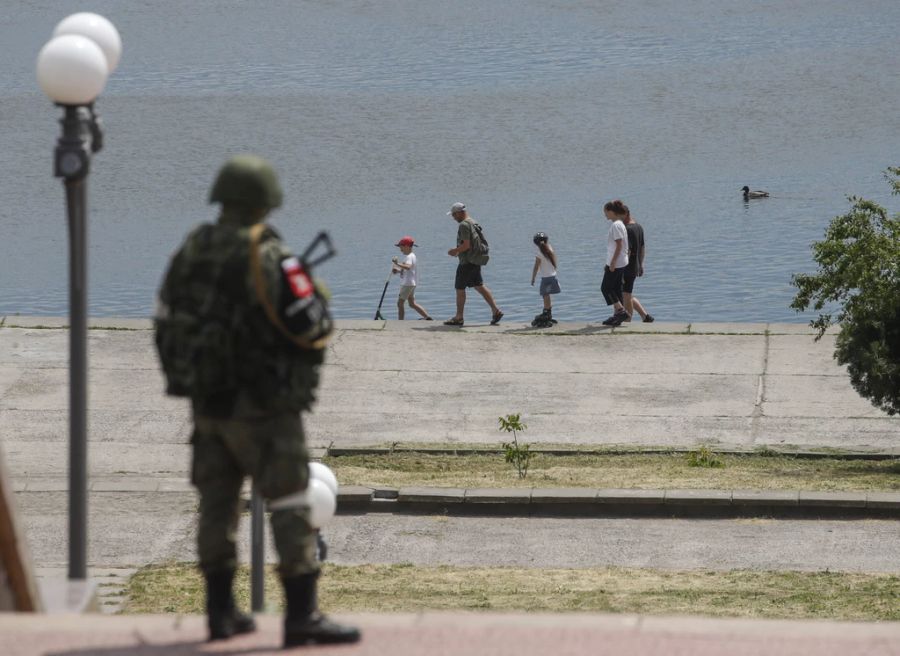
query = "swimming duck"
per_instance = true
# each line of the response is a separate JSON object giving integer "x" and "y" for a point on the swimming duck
{"x": 754, "y": 194}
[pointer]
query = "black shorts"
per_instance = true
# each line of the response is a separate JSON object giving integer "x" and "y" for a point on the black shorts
{"x": 468, "y": 275}
{"x": 628, "y": 281}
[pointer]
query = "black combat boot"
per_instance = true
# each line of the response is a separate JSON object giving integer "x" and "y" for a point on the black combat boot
{"x": 223, "y": 618}
{"x": 303, "y": 623}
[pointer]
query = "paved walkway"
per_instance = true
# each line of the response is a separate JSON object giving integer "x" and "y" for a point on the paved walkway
{"x": 662, "y": 384}
{"x": 679, "y": 385}
{"x": 134, "y": 529}
{"x": 443, "y": 634}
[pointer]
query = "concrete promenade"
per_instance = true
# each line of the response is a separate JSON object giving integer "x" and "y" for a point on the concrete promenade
{"x": 739, "y": 385}
{"x": 674, "y": 385}
{"x": 443, "y": 634}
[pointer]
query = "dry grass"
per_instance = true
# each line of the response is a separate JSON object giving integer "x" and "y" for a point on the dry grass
{"x": 647, "y": 471}
{"x": 396, "y": 588}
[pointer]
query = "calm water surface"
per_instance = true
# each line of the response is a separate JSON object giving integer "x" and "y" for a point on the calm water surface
{"x": 379, "y": 115}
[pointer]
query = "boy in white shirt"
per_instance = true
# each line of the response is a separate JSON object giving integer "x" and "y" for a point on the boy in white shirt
{"x": 406, "y": 267}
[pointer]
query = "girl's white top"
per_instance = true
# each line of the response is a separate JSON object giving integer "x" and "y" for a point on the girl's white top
{"x": 617, "y": 231}
{"x": 547, "y": 269}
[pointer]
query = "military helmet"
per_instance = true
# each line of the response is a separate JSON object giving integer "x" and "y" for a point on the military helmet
{"x": 247, "y": 180}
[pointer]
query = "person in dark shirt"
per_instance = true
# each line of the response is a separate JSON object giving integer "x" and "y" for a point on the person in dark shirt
{"x": 635, "y": 268}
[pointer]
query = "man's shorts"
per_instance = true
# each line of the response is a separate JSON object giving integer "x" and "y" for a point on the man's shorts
{"x": 468, "y": 275}
{"x": 549, "y": 285}
{"x": 628, "y": 284}
{"x": 406, "y": 291}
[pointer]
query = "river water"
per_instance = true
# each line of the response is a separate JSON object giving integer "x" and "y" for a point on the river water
{"x": 379, "y": 115}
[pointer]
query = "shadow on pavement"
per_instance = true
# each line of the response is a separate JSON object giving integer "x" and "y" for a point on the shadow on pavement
{"x": 170, "y": 649}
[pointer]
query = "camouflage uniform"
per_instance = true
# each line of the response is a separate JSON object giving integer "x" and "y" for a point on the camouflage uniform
{"x": 248, "y": 378}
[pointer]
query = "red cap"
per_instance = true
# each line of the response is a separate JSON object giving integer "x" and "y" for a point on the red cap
{"x": 406, "y": 241}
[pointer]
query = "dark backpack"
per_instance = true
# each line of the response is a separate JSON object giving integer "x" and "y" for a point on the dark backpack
{"x": 215, "y": 340}
{"x": 196, "y": 323}
{"x": 480, "y": 249}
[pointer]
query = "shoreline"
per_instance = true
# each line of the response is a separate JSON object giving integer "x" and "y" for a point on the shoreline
{"x": 36, "y": 322}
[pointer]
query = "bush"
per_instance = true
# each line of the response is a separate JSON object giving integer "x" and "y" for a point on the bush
{"x": 859, "y": 270}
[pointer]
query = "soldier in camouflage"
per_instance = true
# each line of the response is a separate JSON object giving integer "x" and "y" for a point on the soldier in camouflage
{"x": 241, "y": 330}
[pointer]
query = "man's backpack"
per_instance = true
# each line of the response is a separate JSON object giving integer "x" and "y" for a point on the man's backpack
{"x": 480, "y": 249}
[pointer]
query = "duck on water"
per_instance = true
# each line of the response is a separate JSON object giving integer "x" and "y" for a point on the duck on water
{"x": 754, "y": 194}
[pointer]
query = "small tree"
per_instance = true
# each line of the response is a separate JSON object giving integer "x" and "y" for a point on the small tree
{"x": 520, "y": 456}
{"x": 859, "y": 269}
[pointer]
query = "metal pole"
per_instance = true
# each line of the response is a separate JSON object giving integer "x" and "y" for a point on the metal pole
{"x": 257, "y": 551}
{"x": 75, "y": 199}
{"x": 72, "y": 164}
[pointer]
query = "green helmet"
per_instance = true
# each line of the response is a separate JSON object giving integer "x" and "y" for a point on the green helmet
{"x": 247, "y": 180}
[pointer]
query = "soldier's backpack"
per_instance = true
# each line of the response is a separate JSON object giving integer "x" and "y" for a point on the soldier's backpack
{"x": 480, "y": 249}
{"x": 197, "y": 325}
{"x": 213, "y": 338}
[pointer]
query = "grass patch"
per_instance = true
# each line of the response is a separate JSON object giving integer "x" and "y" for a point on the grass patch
{"x": 178, "y": 588}
{"x": 703, "y": 457}
{"x": 629, "y": 470}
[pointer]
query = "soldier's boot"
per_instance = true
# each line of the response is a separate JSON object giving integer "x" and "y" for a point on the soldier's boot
{"x": 303, "y": 623}
{"x": 223, "y": 618}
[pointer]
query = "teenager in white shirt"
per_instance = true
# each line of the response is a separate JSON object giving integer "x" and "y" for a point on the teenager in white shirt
{"x": 616, "y": 261}
{"x": 406, "y": 267}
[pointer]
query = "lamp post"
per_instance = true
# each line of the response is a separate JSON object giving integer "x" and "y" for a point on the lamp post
{"x": 72, "y": 69}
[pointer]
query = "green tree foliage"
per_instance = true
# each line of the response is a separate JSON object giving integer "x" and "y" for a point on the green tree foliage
{"x": 859, "y": 272}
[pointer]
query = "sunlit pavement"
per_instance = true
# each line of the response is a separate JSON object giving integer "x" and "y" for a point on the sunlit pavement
{"x": 437, "y": 634}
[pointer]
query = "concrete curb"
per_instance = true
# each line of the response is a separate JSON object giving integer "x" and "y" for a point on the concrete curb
{"x": 524, "y": 501}
{"x": 546, "y": 502}
{"x": 589, "y": 502}
{"x": 613, "y": 450}
{"x": 567, "y": 328}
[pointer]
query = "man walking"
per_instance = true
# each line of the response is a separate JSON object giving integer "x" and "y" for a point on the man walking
{"x": 241, "y": 330}
{"x": 468, "y": 273}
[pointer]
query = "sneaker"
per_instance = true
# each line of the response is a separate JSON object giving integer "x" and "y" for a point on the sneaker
{"x": 627, "y": 318}
{"x": 619, "y": 318}
{"x": 649, "y": 319}
{"x": 610, "y": 321}
{"x": 496, "y": 318}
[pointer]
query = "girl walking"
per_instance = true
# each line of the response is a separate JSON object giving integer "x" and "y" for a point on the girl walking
{"x": 545, "y": 264}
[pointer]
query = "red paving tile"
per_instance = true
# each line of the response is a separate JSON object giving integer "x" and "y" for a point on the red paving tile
{"x": 440, "y": 634}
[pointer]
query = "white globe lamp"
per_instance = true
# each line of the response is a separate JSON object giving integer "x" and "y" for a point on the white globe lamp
{"x": 99, "y": 30}
{"x": 322, "y": 503}
{"x": 323, "y": 473}
{"x": 72, "y": 70}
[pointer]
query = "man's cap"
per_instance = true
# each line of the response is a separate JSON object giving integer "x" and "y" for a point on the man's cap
{"x": 456, "y": 207}
{"x": 406, "y": 240}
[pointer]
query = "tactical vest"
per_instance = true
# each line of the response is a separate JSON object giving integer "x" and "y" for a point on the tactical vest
{"x": 213, "y": 337}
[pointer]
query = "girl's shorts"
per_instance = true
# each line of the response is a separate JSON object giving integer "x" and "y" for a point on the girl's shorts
{"x": 549, "y": 285}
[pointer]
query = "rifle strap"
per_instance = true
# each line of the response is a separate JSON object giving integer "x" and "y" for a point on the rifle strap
{"x": 259, "y": 284}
